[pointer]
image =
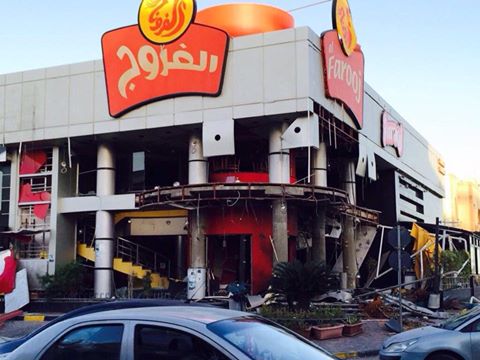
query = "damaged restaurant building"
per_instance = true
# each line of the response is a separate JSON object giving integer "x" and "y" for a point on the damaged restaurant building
{"x": 214, "y": 156}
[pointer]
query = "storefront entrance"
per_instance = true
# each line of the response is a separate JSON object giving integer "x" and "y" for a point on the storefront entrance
{"x": 229, "y": 260}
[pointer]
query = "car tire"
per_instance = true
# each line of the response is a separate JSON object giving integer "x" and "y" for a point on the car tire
{"x": 442, "y": 356}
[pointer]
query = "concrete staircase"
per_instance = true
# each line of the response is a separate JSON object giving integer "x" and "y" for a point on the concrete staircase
{"x": 127, "y": 267}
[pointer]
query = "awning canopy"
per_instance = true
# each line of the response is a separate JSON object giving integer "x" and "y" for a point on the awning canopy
{"x": 22, "y": 232}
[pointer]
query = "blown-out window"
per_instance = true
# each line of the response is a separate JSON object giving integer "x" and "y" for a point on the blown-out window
{"x": 155, "y": 342}
{"x": 97, "y": 342}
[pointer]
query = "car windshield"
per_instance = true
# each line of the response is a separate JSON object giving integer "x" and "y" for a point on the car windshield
{"x": 456, "y": 321}
{"x": 261, "y": 339}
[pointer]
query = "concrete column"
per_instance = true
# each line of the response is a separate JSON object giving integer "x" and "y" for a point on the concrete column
{"x": 180, "y": 257}
{"x": 349, "y": 252}
{"x": 278, "y": 159}
{"x": 348, "y": 244}
{"x": 280, "y": 230}
{"x": 319, "y": 247}
{"x": 104, "y": 227}
{"x": 198, "y": 243}
{"x": 319, "y": 178}
{"x": 279, "y": 172}
{"x": 349, "y": 182}
{"x": 197, "y": 174}
{"x": 197, "y": 163}
{"x": 319, "y": 165}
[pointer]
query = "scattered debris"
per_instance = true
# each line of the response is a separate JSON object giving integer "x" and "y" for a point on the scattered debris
{"x": 255, "y": 301}
{"x": 418, "y": 310}
{"x": 376, "y": 309}
{"x": 340, "y": 295}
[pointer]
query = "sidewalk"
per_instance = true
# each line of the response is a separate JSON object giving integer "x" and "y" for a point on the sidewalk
{"x": 364, "y": 345}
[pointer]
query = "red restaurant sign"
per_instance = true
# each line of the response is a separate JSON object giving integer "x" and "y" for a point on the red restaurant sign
{"x": 344, "y": 75}
{"x": 138, "y": 72}
{"x": 392, "y": 133}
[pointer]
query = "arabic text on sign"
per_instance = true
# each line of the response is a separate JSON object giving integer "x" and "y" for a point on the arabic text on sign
{"x": 164, "y": 21}
{"x": 153, "y": 62}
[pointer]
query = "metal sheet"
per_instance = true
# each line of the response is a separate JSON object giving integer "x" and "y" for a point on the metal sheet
{"x": 3, "y": 153}
{"x": 218, "y": 138}
{"x": 372, "y": 164}
{"x": 365, "y": 235}
{"x": 19, "y": 297}
{"x": 362, "y": 160}
{"x": 405, "y": 237}
{"x": 158, "y": 227}
{"x": 303, "y": 132}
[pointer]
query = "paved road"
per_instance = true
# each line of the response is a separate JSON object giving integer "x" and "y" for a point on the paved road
{"x": 374, "y": 333}
{"x": 12, "y": 329}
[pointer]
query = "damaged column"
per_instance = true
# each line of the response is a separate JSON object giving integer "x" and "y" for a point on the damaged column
{"x": 197, "y": 174}
{"x": 279, "y": 173}
{"x": 319, "y": 178}
{"x": 104, "y": 227}
{"x": 348, "y": 243}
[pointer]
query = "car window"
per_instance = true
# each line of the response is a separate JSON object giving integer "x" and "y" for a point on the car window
{"x": 261, "y": 339}
{"x": 474, "y": 327}
{"x": 155, "y": 342}
{"x": 456, "y": 321}
{"x": 98, "y": 342}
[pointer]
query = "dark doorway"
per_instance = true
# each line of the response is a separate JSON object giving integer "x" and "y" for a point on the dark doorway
{"x": 229, "y": 260}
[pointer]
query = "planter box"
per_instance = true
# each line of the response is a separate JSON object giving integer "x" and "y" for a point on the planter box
{"x": 305, "y": 332}
{"x": 352, "y": 330}
{"x": 327, "y": 332}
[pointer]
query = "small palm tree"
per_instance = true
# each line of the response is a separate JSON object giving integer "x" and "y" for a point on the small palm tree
{"x": 299, "y": 283}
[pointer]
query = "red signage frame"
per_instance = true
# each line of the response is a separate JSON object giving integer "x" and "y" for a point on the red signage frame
{"x": 138, "y": 72}
{"x": 393, "y": 133}
{"x": 344, "y": 76}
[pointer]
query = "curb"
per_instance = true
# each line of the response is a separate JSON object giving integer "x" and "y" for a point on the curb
{"x": 356, "y": 354}
{"x": 35, "y": 317}
{"x": 10, "y": 316}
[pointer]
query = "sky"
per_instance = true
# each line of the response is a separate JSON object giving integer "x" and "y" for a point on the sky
{"x": 421, "y": 56}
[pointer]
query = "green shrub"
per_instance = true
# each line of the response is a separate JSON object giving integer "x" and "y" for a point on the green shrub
{"x": 67, "y": 281}
{"x": 329, "y": 313}
{"x": 352, "y": 319}
{"x": 454, "y": 260}
{"x": 298, "y": 283}
{"x": 302, "y": 318}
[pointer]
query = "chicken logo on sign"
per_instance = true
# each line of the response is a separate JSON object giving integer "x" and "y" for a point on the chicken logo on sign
{"x": 166, "y": 55}
{"x": 164, "y": 21}
{"x": 343, "y": 23}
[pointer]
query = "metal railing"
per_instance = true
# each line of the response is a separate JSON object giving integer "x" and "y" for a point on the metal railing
{"x": 143, "y": 256}
{"x": 33, "y": 251}
{"x": 455, "y": 282}
{"x": 28, "y": 219}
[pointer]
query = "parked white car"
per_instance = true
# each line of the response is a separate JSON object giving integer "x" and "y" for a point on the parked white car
{"x": 169, "y": 333}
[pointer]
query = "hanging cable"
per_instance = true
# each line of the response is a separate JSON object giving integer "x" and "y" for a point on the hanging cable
{"x": 310, "y": 5}
{"x": 229, "y": 201}
{"x": 198, "y": 217}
